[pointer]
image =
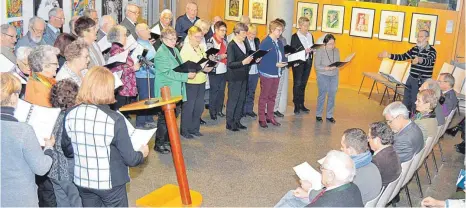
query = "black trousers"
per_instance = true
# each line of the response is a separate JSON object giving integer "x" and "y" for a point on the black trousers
{"x": 410, "y": 95}
{"x": 300, "y": 77}
{"x": 115, "y": 197}
{"x": 217, "y": 93}
{"x": 45, "y": 192}
{"x": 192, "y": 109}
{"x": 235, "y": 102}
{"x": 161, "y": 135}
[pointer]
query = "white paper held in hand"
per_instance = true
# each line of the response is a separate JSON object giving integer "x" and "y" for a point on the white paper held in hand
{"x": 306, "y": 172}
{"x": 139, "y": 137}
{"x": 117, "y": 76}
{"x": 121, "y": 58}
{"x": 137, "y": 52}
{"x": 104, "y": 44}
{"x": 130, "y": 43}
{"x": 156, "y": 29}
{"x": 301, "y": 55}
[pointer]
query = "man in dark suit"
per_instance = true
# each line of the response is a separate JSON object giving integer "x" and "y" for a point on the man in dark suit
{"x": 56, "y": 21}
{"x": 446, "y": 82}
{"x": 166, "y": 18}
{"x": 130, "y": 21}
{"x": 408, "y": 139}
{"x": 184, "y": 22}
{"x": 106, "y": 23}
{"x": 385, "y": 158}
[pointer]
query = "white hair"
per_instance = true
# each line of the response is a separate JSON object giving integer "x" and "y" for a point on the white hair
{"x": 40, "y": 56}
{"x": 33, "y": 20}
{"x": 131, "y": 4}
{"x": 396, "y": 109}
{"x": 341, "y": 165}
{"x": 165, "y": 11}
{"x": 6, "y": 27}
{"x": 22, "y": 53}
{"x": 433, "y": 85}
{"x": 53, "y": 12}
{"x": 104, "y": 20}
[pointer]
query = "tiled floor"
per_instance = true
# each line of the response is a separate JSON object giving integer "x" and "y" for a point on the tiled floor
{"x": 254, "y": 167}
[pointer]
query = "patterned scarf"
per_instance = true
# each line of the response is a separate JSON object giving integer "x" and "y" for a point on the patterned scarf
{"x": 48, "y": 82}
{"x": 223, "y": 47}
{"x": 362, "y": 159}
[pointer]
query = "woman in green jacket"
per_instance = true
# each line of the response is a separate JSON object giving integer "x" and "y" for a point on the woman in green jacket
{"x": 166, "y": 59}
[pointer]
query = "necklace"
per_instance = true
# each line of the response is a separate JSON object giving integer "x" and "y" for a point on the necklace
{"x": 333, "y": 56}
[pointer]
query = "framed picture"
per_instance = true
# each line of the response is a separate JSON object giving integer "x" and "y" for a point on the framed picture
{"x": 309, "y": 10}
{"x": 391, "y": 25}
{"x": 113, "y": 8}
{"x": 14, "y": 8}
{"x": 42, "y": 7}
{"x": 258, "y": 11}
{"x": 362, "y": 22}
{"x": 78, "y": 6}
{"x": 18, "y": 27}
{"x": 332, "y": 18}
{"x": 233, "y": 9}
{"x": 423, "y": 22}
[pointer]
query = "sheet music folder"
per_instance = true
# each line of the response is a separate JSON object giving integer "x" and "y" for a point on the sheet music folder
{"x": 258, "y": 54}
{"x": 342, "y": 63}
{"x": 212, "y": 51}
{"x": 187, "y": 67}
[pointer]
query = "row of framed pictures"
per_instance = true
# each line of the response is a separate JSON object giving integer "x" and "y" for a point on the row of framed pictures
{"x": 257, "y": 10}
{"x": 362, "y": 22}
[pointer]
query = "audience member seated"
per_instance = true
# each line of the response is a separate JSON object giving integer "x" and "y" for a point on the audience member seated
{"x": 22, "y": 156}
{"x": 62, "y": 41}
{"x": 433, "y": 85}
{"x": 117, "y": 36}
{"x": 107, "y": 147}
{"x": 368, "y": 179}
{"x": 431, "y": 202}
{"x": 408, "y": 139}
{"x": 63, "y": 96}
{"x": 385, "y": 158}
{"x": 86, "y": 29}
{"x": 77, "y": 59}
{"x": 8, "y": 41}
{"x": 56, "y": 21}
{"x": 338, "y": 171}
{"x": 425, "y": 116}
{"x": 34, "y": 37}
{"x": 446, "y": 82}
{"x": 43, "y": 63}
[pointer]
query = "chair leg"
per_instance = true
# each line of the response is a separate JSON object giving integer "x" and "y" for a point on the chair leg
{"x": 435, "y": 162}
{"x": 372, "y": 88}
{"x": 377, "y": 88}
{"x": 441, "y": 151}
{"x": 383, "y": 96}
{"x": 427, "y": 171}
{"x": 409, "y": 197}
{"x": 361, "y": 83}
{"x": 418, "y": 181}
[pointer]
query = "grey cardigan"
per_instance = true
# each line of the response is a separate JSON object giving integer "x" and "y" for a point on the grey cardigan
{"x": 323, "y": 58}
{"x": 22, "y": 158}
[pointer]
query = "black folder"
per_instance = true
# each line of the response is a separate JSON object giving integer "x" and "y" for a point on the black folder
{"x": 316, "y": 46}
{"x": 338, "y": 64}
{"x": 259, "y": 54}
{"x": 212, "y": 51}
{"x": 187, "y": 67}
{"x": 210, "y": 63}
{"x": 290, "y": 49}
{"x": 154, "y": 36}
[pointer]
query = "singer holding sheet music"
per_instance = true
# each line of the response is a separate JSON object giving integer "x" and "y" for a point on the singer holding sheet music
{"x": 302, "y": 40}
{"x": 327, "y": 77}
{"x": 193, "y": 107}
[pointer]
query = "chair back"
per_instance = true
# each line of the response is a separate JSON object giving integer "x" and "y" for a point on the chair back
{"x": 413, "y": 167}
{"x": 439, "y": 134}
{"x": 404, "y": 172}
{"x": 448, "y": 121}
{"x": 386, "y": 65}
{"x": 399, "y": 69}
{"x": 406, "y": 75}
{"x": 458, "y": 73}
{"x": 429, "y": 144}
{"x": 446, "y": 68}
{"x": 374, "y": 201}
{"x": 385, "y": 197}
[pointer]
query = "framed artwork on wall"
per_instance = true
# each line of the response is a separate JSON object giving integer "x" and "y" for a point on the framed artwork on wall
{"x": 391, "y": 25}
{"x": 113, "y": 8}
{"x": 42, "y": 7}
{"x": 18, "y": 27}
{"x": 14, "y": 8}
{"x": 332, "y": 18}
{"x": 309, "y": 10}
{"x": 423, "y": 22}
{"x": 258, "y": 11}
{"x": 78, "y": 6}
{"x": 233, "y": 9}
{"x": 362, "y": 22}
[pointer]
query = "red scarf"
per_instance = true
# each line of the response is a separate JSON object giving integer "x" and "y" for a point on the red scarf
{"x": 223, "y": 48}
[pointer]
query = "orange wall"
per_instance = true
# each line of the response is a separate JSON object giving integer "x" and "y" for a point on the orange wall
{"x": 366, "y": 49}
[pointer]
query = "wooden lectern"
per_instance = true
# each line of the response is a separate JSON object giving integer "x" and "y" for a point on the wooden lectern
{"x": 169, "y": 195}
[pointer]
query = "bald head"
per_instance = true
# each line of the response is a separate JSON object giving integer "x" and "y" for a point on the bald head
{"x": 106, "y": 23}
{"x": 191, "y": 10}
{"x": 216, "y": 19}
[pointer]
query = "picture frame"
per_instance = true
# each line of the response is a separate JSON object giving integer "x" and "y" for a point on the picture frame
{"x": 309, "y": 10}
{"x": 42, "y": 7}
{"x": 14, "y": 8}
{"x": 362, "y": 22}
{"x": 391, "y": 25}
{"x": 333, "y": 18}
{"x": 18, "y": 27}
{"x": 423, "y": 21}
{"x": 78, "y": 6}
{"x": 258, "y": 11}
{"x": 233, "y": 9}
{"x": 113, "y": 8}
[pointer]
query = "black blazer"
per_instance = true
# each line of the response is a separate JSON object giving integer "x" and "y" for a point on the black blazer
{"x": 209, "y": 34}
{"x": 296, "y": 43}
{"x": 256, "y": 43}
{"x": 236, "y": 71}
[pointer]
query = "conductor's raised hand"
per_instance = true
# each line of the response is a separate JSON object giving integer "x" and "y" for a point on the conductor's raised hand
{"x": 416, "y": 60}
{"x": 191, "y": 75}
{"x": 384, "y": 54}
{"x": 247, "y": 60}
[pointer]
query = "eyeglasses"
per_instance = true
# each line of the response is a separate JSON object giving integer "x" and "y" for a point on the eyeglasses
{"x": 134, "y": 12}
{"x": 62, "y": 19}
{"x": 171, "y": 39}
{"x": 11, "y": 36}
{"x": 198, "y": 37}
{"x": 56, "y": 64}
{"x": 37, "y": 31}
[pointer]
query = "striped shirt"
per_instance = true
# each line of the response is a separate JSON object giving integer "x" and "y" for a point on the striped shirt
{"x": 423, "y": 68}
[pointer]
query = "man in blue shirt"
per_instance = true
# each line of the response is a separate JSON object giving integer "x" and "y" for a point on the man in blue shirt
{"x": 184, "y": 22}
{"x": 34, "y": 37}
{"x": 56, "y": 21}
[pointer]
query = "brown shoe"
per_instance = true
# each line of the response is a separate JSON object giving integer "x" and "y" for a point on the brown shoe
{"x": 273, "y": 122}
{"x": 263, "y": 124}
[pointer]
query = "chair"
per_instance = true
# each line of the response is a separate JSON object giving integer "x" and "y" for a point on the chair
{"x": 446, "y": 68}
{"x": 461, "y": 99}
{"x": 385, "y": 67}
{"x": 404, "y": 172}
{"x": 374, "y": 201}
{"x": 458, "y": 73}
{"x": 385, "y": 197}
{"x": 428, "y": 145}
{"x": 436, "y": 139}
{"x": 398, "y": 72}
{"x": 445, "y": 127}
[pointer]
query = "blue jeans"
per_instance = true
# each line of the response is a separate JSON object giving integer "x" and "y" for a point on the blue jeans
{"x": 144, "y": 116}
{"x": 289, "y": 200}
{"x": 327, "y": 86}
{"x": 250, "y": 93}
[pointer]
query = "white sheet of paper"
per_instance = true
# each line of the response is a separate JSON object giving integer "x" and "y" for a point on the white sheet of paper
{"x": 121, "y": 57}
{"x": 137, "y": 52}
{"x": 104, "y": 44}
{"x": 118, "y": 81}
{"x": 321, "y": 161}
{"x": 42, "y": 119}
{"x": 7, "y": 65}
{"x": 306, "y": 172}
{"x": 301, "y": 55}
{"x": 156, "y": 29}
{"x": 130, "y": 43}
{"x": 139, "y": 137}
